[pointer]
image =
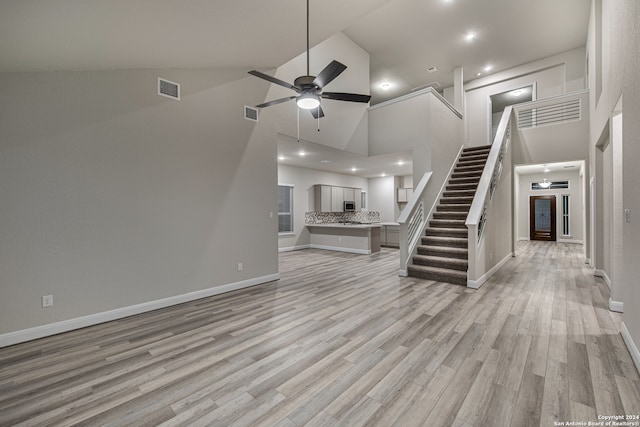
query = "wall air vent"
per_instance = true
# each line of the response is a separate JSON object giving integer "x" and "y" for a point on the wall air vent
{"x": 168, "y": 89}
{"x": 250, "y": 113}
{"x": 552, "y": 114}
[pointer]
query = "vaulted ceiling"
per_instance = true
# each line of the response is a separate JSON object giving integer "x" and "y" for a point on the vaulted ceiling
{"x": 403, "y": 37}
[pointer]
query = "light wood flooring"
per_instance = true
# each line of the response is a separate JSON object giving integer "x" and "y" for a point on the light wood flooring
{"x": 342, "y": 340}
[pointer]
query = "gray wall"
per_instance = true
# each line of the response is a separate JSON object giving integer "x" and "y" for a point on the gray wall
{"x": 381, "y": 197}
{"x": 617, "y": 45}
{"x": 303, "y": 180}
{"x": 113, "y": 196}
{"x": 424, "y": 124}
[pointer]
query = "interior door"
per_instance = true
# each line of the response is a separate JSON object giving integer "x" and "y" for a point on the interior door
{"x": 542, "y": 214}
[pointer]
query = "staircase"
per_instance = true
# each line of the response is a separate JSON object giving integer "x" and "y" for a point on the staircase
{"x": 443, "y": 254}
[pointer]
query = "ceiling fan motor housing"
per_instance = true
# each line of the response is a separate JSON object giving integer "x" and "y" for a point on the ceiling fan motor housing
{"x": 306, "y": 83}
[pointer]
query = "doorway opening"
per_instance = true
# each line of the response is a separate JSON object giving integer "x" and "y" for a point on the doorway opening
{"x": 542, "y": 214}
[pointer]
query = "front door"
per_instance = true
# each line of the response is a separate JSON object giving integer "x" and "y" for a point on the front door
{"x": 542, "y": 214}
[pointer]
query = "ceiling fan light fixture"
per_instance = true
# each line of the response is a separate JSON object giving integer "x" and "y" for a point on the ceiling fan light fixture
{"x": 308, "y": 101}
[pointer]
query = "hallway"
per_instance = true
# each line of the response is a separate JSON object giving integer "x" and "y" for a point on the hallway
{"x": 341, "y": 339}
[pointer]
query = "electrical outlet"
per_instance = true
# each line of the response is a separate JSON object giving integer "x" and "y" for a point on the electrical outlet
{"x": 271, "y": 215}
{"x": 627, "y": 215}
{"x": 240, "y": 266}
{"x": 47, "y": 301}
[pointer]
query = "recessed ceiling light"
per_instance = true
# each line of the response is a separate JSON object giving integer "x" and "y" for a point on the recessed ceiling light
{"x": 383, "y": 174}
{"x": 385, "y": 86}
{"x": 301, "y": 153}
{"x": 469, "y": 36}
{"x": 400, "y": 163}
{"x": 353, "y": 169}
{"x": 488, "y": 68}
{"x": 281, "y": 157}
{"x": 517, "y": 92}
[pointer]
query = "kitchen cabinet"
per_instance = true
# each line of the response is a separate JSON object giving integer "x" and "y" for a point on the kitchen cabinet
{"x": 337, "y": 199}
{"x": 330, "y": 198}
{"x": 325, "y": 197}
{"x": 358, "y": 199}
{"x": 404, "y": 194}
{"x": 393, "y": 235}
{"x": 390, "y": 235}
{"x": 348, "y": 194}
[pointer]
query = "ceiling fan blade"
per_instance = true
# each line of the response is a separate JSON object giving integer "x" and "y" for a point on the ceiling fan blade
{"x": 341, "y": 96}
{"x": 274, "y": 80}
{"x": 315, "y": 112}
{"x": 330, "y": 72}
{"x": 275, "y": 101}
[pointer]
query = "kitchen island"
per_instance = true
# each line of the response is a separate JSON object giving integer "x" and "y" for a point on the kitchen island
{"x": 353, "y": 238}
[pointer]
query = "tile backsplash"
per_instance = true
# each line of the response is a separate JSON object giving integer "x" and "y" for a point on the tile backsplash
{"x": 333, "y": 217}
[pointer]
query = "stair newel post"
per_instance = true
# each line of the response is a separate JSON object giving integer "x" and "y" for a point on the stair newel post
{"x": 404, "y": 248}
{"x": 472, "y": 230}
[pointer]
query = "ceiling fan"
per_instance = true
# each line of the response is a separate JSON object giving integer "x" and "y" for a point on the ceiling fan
{"x": 310, "y": 87}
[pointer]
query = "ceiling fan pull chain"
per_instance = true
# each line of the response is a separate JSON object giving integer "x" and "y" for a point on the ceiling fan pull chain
{"x": 298, "y": 111}
{"x": 318, "y": 117}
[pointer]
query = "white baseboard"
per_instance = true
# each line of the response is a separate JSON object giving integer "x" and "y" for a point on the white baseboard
{"x": 631, "y": 346}
{"x": 605, "y": 277}
{"x": 616, "y": 306}
{"x": 403, "y": 273}
{"x": 475, "y": 284}
{"x": 339, "y": 249}
{"x": 24, "y": 335}
{"x": 579, "y": 242}
{"x": 294, "y": 248}
{"x": 523, "y": 239}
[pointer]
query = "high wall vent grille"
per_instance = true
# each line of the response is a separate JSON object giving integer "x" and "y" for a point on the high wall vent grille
{"x": 251, "y": 113}
{"x": 168, "y": 89}
{"x": 550, "y": 114}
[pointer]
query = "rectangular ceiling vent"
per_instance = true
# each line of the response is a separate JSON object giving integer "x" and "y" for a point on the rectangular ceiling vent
{"x": 250, "y": 113}
{"x": 168, "y": 89}
{"x": 432, "y": 69}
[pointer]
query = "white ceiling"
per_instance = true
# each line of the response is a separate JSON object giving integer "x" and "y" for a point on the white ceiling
{"x": 402, "y": 37}
{"x": 317, "y": 156}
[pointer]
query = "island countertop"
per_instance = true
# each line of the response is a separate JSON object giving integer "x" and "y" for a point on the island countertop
{"x": 349, "y": 226}
{"x": 354, "y": 238}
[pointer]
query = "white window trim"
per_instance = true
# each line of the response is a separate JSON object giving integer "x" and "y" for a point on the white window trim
{"x": 292, "y": 231}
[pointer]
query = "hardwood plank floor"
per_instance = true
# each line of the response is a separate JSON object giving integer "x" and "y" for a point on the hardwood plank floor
{"x": 342, "y": 340}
